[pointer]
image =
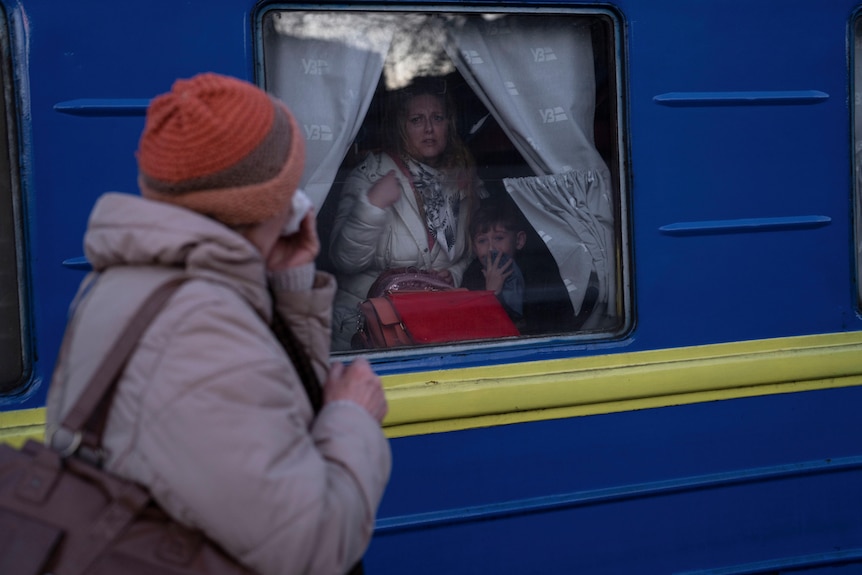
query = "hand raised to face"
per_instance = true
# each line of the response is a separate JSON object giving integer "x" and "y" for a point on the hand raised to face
{"x": 496, "y": 268}
{"x": 385, "y": 191}
{"x": 296, "y": 249}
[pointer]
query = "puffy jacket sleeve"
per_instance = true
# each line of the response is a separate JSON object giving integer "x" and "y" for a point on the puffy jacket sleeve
{"x": 308, "y": 311}
{"x": 227, "y": 442}
{"x": 353, "y": 244}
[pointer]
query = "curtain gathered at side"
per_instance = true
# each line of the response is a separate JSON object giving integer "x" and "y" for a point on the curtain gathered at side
{"x": 536, "y": 76}
{"x": 325, "y": 67}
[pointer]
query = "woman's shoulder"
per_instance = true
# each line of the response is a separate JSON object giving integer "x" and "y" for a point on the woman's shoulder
{"x": 200, "y": 298}
{"x": 204, "y": 310}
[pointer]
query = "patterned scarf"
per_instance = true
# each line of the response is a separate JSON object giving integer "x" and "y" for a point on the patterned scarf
{"x": 441, "y": 208}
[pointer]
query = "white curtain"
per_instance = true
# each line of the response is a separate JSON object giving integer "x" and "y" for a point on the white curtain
{"x": 325, "y": 67}
{"x": 536, "y": 76}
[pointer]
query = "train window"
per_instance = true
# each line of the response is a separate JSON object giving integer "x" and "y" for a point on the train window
{"x": 12, "y": 358}
{"x": 482, "y": 146}
{"x": 857, "y": 138}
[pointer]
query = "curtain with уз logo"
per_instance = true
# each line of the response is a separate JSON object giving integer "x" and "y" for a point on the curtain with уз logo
{"x": 537, "y": 78}
{"x": 325, "y": 67}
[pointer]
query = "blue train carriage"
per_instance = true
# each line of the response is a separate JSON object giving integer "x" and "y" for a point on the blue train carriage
{"x": 692, "y": 165}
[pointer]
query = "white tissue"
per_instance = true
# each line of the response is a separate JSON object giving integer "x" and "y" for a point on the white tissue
{"x": 301, "y": 206}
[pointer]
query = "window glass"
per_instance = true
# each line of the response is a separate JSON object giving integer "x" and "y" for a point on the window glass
{"x": 12, "y": 361}
{"x": 480, "y": 147}
{"x": 857, "y": 138}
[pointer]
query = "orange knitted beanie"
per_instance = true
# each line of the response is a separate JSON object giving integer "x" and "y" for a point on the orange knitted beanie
{"x": 221, "y": 147}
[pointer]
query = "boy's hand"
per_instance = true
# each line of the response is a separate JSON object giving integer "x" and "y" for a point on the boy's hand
{"x": 496, "y": 274}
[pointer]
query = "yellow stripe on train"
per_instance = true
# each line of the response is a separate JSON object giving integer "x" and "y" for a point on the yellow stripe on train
{"x": 18, "y": 426}
{"x": 448, "y": 400}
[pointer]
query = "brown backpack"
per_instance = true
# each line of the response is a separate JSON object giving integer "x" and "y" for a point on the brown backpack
{"x": 60, "y": 513}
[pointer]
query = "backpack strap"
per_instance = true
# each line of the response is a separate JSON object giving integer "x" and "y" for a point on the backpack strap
{"x": 81, "y": 429}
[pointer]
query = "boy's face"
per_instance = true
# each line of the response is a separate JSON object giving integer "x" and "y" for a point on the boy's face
{"x": 498, "y": 239}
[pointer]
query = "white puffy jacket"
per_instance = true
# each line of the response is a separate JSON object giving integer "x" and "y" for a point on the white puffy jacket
{"x": 367, "y": 240}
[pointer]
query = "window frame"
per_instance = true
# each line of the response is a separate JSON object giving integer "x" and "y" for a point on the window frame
{"x": 617, "y": 164}
{"x": 12, "y": 249}
{"x": 855, "y": 60}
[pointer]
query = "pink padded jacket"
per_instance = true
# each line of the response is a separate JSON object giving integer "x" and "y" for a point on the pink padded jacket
{"x": 210, "y": 413}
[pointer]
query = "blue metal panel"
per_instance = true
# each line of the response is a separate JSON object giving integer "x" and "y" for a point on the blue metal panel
{"x": 657, "y": 491}
{"x": 127, "y": 53}
{"x": 720, "y": 162}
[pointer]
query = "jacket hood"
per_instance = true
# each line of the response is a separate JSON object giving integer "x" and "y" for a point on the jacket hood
{"x": 130, "y": 230}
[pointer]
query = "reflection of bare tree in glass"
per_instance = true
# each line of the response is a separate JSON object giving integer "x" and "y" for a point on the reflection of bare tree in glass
{"x": 418, "y": 49}
{"x": 417, "y": 46}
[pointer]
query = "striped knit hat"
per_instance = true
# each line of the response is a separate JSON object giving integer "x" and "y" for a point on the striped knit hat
{"x": 221, "y": 147}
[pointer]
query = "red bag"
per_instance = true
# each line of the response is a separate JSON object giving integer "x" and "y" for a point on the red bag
{"x": 405, "y": 318}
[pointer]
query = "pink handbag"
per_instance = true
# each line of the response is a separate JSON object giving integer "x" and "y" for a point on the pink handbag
{"x": 406, "y": 279}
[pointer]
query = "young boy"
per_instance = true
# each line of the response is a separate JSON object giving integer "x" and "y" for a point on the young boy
{"x": 529, "y": 288}
{"x": 497, "y": 233}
